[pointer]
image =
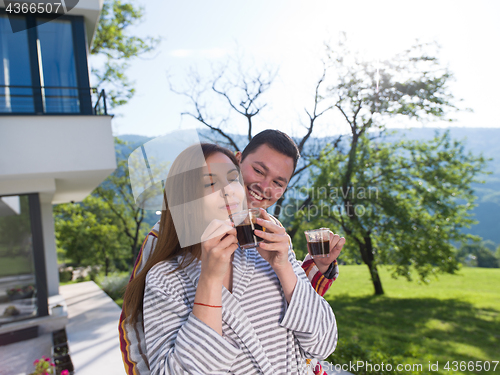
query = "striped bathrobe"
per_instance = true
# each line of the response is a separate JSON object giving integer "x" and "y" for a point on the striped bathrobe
{"x": 132, "y": 342}
{"x": 262, "y": 333}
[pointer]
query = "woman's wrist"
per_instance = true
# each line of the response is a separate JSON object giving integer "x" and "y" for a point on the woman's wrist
{"x": 209, "y": 279}
{"x": 209, "y": 290}
{"x": 208, "y": 304}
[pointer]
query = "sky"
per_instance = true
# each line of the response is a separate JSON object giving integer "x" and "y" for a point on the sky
{"x": 289, "y": 36}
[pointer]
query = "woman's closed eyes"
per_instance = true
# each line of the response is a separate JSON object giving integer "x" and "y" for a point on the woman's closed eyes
{"x": 213, "y": 180}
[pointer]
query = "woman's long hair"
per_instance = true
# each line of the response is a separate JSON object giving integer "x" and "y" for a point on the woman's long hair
{"x": 168, "y": 246}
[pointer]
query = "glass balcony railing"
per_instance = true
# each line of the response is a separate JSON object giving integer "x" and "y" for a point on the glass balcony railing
{"x": 18, "y": 99}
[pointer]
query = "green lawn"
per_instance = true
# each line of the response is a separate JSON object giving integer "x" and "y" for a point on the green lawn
{"x": 15, "y": 266}
{"x": 454, "y": 318}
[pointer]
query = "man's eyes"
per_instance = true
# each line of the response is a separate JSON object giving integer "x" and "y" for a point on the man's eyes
{"x": 258, "y": 171}
{"x": 279, "y": 184}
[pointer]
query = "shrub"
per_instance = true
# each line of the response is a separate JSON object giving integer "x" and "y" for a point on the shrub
{"x": 114, "y": 285}
{"x": 65, "y": 276}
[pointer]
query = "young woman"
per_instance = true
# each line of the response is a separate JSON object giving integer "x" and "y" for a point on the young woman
{"x": 211, "y": 307}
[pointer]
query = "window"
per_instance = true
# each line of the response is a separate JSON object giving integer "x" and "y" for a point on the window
{"x": 23, "y": 292}
{"x": 57, "y": 67}
{"x": 15, "y": 68}
{"x": 43, "y": 69}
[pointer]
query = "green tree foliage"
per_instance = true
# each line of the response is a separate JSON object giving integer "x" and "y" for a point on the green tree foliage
{"x": 116, "y": 47}
{"x": 406, "y": 205}
{"x": 418, "y": 184}
{"x": 480, "y": 254}
{"x": 117, "y": 195}
{"x": 88, "y": 233}
{"x": 108, "y": 216}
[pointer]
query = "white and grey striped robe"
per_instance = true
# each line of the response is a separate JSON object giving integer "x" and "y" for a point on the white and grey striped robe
{"x": 261, "y": 332}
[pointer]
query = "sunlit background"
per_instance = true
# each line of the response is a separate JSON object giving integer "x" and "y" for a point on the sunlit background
{"x": 289, "y": 36}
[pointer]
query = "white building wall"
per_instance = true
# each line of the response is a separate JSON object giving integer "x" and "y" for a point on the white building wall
{"x": 74, "y": 153}
{"x": 49, "y": 244}
{"x": 63, "y": 158}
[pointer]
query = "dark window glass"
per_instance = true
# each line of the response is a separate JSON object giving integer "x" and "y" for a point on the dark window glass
{"x": 15, "y": 68}
{"x": 17, "y": 272}
{"x": 57, "y": 67}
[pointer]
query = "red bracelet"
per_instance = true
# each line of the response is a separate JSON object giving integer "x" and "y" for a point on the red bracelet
{"x": 202, "y": 304}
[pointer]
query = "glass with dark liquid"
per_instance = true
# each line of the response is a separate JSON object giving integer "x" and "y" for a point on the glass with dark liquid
{"x": 245, "y": 223}
{"x": 318, "y": 242}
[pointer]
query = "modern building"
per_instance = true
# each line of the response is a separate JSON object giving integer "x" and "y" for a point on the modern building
{"x": 56, "y": 146}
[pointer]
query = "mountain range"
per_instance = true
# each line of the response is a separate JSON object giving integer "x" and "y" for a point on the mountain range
{"x": 485, "y": 141}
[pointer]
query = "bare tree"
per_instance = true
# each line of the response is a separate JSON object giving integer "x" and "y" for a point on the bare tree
{"x": 242, "y": 92}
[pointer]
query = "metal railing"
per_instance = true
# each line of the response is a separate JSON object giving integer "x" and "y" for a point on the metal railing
{"x": 98, "y": 108}
{"x": 66, "y": 101}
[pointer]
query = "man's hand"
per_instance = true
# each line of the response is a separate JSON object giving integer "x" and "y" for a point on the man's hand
{"x": 275, "y": 249}
{"x": 336, "y": 244}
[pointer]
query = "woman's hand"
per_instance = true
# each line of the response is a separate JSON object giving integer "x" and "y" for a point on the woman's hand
{"x": 218, "y": 245}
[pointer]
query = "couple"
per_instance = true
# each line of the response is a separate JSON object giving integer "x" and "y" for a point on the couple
{"x": 237, "y": 311}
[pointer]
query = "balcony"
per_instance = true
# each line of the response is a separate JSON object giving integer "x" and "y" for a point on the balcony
{"x": 54, "y": 100}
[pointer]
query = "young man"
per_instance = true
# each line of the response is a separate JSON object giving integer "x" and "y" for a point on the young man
{"x": 267, "y": 165}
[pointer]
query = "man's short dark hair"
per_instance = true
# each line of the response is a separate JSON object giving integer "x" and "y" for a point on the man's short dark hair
{"x": 275, "y": 139}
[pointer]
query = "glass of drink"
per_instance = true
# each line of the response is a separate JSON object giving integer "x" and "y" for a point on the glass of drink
{"x": 318, "y": 242}
{"x": 245, "y": 223}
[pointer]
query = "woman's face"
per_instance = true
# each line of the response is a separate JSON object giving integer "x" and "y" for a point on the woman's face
{"x": 223, "y": 192}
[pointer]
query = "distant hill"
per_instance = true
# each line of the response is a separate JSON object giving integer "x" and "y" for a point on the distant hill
{"x": 485, "y": 141}
{"x": 476, "y": 140}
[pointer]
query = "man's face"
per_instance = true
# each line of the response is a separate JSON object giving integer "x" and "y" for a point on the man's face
{"x": 266, "y": 174}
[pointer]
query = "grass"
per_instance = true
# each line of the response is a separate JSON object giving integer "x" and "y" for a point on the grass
{"x": 454, "y": 318}
{"x": 15, "y": 266}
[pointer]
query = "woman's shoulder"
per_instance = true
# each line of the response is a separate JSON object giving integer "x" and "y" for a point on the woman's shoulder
{"x": 168, "y": 284}
{"x": 167, "y": 276}
{"x": 162, "y": 272}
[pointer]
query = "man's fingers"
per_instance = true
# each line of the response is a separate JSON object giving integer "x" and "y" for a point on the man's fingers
{"x": 264, "y": 214}
{"x": 338, "y": 248}
{"x": 340, "y": 244}
{"x": 270, "y": 226}
{"x": 268, "y": 236}
{"x": 334, "y": 240}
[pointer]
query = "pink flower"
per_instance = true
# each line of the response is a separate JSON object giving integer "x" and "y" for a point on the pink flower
{"x": 64, "y": 372}
{"x": 52, "y": 364}
{"x": 36, "y": 361}
{"x": 47, "y": 359}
